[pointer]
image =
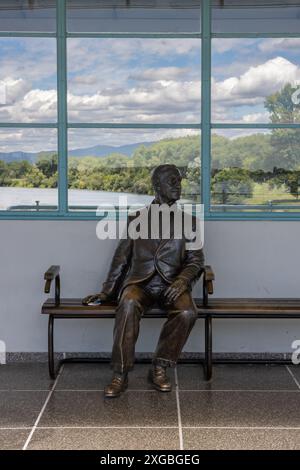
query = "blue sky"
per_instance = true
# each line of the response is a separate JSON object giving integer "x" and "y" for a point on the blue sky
{"x": 134, "y": 80}
{"x": 143, "y": 81}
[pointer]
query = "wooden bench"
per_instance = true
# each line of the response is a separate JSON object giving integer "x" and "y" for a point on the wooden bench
{"x": 230, "y": 308}
{"x": 57, "y": 308}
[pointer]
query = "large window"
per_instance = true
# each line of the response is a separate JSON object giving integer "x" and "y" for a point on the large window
{"x": 255, "y": 112}
{"x": 95, "y": 93}
{"x": 28, "y": 107}
{"x": 134, "y": 72}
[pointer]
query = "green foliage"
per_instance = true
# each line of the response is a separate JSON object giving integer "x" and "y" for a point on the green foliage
{"x": 250, "y": 152}
{"x": 285, "y": 143}
{"x": 47, "y": 164}
{"x": 232, "y": 186}
{"x": 281, "y": 107}
{"x": 120, "y": 173}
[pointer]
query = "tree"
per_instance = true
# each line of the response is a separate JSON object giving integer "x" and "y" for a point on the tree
{"x": 191, "y": 182}
{"x": 47, "y": 164}
{"x": 232, "y": 186}
{"x": 4, "y": 174}
{"x": 285, "y": 143}
{"x": 34, "y": 179}
{"x": 281, "y": 107}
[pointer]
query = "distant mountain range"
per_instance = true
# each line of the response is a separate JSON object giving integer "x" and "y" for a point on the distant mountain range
{"x": 96, "y": 151}
{"x": 17, "y": 156}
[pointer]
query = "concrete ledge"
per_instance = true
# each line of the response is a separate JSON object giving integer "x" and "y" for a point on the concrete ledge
{"x": 43, "y": 357}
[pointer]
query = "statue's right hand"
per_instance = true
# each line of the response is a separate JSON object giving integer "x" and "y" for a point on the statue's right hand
{"x": 93, "y": 298}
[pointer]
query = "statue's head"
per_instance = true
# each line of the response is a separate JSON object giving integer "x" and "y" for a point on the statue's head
{"x": 166, "y": 181}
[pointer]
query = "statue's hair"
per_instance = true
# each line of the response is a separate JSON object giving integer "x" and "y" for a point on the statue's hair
{"x": 157, "y": 171}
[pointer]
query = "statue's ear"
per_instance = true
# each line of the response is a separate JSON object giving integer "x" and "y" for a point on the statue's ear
{"x": 157, "y": 186}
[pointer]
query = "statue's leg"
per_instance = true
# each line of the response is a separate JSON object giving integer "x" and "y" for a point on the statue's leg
{"x": 128, "y": 314}
{"x": 182, "y": 315}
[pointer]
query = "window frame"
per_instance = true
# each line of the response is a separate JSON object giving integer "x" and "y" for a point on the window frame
{"x": 205, "y": 126}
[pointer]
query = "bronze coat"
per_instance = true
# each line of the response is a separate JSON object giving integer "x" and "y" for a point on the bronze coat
{"x": 135, "y": 261}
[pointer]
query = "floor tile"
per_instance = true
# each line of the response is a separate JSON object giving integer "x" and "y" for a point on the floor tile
{"x": 295, "y": 370}
{"x": 107, "y": 439}
{"x": 241, "y": 439}
{"x": 13, "y": 439}
{"x": 240, "y": 408}
{"x": 97, "y": 376}
{"x": 25, "y": 376}
{"x": 130, "y": 409}
{"x": 18, "y": 409}
{"x": 236, "y": 377}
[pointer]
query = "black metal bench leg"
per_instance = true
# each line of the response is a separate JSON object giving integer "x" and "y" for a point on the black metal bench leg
{"x": 51, "y": 348}
{"x": 208, "y": 347}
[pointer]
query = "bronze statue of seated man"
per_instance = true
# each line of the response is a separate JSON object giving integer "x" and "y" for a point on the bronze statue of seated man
{"x": 147, "y": 271}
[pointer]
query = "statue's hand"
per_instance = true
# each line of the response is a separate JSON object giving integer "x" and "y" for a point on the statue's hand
{"x": 93, "y": 298}
{"x": 177, "y": 288}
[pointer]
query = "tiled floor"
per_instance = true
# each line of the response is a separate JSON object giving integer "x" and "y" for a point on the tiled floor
{"x": 243, "y": 407}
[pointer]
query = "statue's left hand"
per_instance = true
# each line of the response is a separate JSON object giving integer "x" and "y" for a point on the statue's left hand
{"x": 92, "y": 298}
{"x": 177, "y": 288}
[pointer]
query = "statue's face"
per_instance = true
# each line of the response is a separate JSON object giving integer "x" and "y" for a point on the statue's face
{"x": 169, "y": 186}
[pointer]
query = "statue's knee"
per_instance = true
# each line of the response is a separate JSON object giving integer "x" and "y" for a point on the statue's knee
{"x": 189, "y": 315}
{"x": 129, "y": 304}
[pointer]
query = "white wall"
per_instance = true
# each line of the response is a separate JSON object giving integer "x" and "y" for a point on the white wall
{"x": 259, "y": 259}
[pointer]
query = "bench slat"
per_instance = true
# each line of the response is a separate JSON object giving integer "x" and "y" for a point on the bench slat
{"x": 253, "y": 307}
{"x": 73, "y": 308}
{"x": 217, "y": 308}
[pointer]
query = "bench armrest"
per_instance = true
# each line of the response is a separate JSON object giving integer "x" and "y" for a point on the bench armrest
{"x": 208, "y": 287}
{"x": 50, "y": 274}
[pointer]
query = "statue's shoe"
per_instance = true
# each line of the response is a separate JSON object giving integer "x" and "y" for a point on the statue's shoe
{"x": 158, "y": 378}
{"x": 117, "y": 385}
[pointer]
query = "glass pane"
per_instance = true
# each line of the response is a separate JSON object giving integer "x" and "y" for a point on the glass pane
{"x": 28, "y": 169}
{"x": 256, "y": 16}
{"x": 28, "y": 15}
{"x": 256, "y": 80}
{"x": 134, "y": 16}
{"x": 104, "y": 164}
{"x": 134, "y": 80}
{"x": 28, "y": 80}
{"x": 256, "y": 170}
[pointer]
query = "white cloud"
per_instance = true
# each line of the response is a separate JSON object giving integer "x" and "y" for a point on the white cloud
{"x": 160, "y": 73}
{"x": 111, "y": 62}
{"x": 28, "y": 140}
{"x": 35, "y": 106}
{"x": 254, "y": 85}
{"x": 15, "y": 89}
{"x": 279, "y": 44}
{"x": 32, "y": 59}
{"x": 163, "y": 99}
{"x": 255, "y": 117}
{"x": 135, "y": 80}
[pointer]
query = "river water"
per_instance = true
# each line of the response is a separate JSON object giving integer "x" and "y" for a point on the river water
{"x": 80, "y": 198}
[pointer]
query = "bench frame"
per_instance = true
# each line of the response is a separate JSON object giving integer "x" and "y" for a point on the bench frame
{"x": 283, "y": 311}
{"x": 52, "y": 308}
